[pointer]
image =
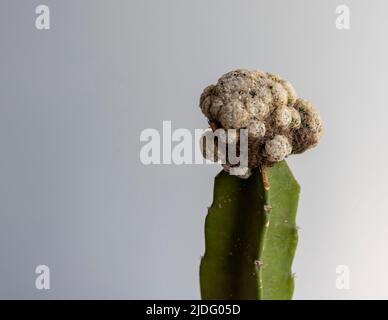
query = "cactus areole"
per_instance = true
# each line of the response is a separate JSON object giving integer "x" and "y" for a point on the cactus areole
{"x": 250, "y": 230}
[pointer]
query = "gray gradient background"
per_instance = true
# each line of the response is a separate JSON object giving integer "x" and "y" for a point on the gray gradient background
{"x": 74, "y": 99}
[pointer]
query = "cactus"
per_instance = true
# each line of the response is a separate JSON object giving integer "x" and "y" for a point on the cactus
{"x": 250, "y": 230}
{"x": 251, "y": 236}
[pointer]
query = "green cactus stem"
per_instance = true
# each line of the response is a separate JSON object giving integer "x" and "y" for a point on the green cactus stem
{"x": 251, "y": 236}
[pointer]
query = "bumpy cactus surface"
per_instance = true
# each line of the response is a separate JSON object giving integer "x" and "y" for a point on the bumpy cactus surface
{"x": 250, "y": 231}
{"x": 251, "y": 236}
{"x": 278, "y": 122}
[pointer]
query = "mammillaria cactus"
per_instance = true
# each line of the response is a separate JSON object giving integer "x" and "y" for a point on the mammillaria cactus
{"x": 250, "y": 228}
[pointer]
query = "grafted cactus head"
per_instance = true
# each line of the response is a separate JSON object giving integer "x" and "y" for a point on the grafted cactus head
{"x": 278, "y": 122}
